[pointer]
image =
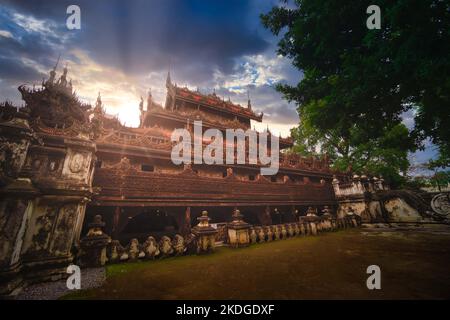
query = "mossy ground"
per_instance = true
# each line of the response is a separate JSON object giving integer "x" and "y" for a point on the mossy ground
{"x": 414, "y": 265}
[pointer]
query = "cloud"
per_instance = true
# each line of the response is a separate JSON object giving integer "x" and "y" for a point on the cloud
{"x": 125, "y": 48}
{"x": 5, "y": 34}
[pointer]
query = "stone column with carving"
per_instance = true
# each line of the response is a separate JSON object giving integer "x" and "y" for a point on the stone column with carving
{"x": 311, "y": 219}
{"x": 93, "y": 245}
{"x": 238, "y": 231}
{"x": 17, "y": 194}
{"x": 205, "y": 234}
{"x": 352, "y": 219}
{"x": 327, "y": 218}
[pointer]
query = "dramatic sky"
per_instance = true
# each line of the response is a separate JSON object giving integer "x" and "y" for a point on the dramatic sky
{"x": 126, "y": 47}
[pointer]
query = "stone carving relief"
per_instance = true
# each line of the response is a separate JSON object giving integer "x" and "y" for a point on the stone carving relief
{"x": 11, "y": 215}
{"x": 65, "y": 223}
{"x": 165, "y": 246}
{"x": 441, "y": 204}
{"x": 12, "y": 157}
{"x": 151, "y": 248}
{"x": 178, "y": 245}
{"x": 43, "y": 227}
{"x": 76, "y": 163}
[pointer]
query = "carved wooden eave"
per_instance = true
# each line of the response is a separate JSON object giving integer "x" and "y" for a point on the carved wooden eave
{"x": 188, "y": 187}
{"x": 75, "y": 129}
{"x": 188, "y": 172}
{"x": 182, "y": 117}
{"x": 152, "y": 138}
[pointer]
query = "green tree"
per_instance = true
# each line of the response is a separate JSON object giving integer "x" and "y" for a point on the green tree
{"x": 440, "y": 179}
{"x": 358, "y": 82}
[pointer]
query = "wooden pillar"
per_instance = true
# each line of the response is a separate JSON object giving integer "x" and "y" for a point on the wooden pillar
{"x": 294, "y": 214}
{"x": 268, "y": 216}
{"x": 116, "y": 218}
{"x": 187, "y": 221}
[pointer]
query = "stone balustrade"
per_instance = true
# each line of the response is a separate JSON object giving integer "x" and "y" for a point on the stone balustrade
{"x": 202, "y": 241}
{"x": 306, "y": 226}
{"x": 150, "y": 249}
{"x": 358, "y": 186}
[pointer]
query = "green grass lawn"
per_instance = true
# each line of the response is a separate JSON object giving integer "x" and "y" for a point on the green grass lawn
{"x": 329, "y": 266}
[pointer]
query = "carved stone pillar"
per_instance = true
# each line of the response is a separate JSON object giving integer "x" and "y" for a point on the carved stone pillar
{"x": 14, "y": 217}
{"x": 205, "y": 234}
{"x": 352, "y": 218}
{"x": 93, "y": 245}
{"x": 311, "y": 219}
{"x": 327, "y": 218}
{"x": 17, "y": 194}
{"x": 238, "y": 231}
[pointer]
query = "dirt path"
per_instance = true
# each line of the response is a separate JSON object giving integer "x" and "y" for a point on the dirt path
{"x": 414, "y": 264}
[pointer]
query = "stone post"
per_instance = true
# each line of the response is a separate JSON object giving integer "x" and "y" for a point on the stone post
{"x": 93, "y": 245}
{"x": 238, "y": 231}
{"x": 335, "y": 184}
{"x": 312, "y": 219}
{"x": 326, "y": 215}
{"x": 352, "y": 218}
{"x": 205, "y": 234}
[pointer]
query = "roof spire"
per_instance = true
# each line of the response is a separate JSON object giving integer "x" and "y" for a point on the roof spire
{"x": 99, "y": 100}
{"x": 149, "y": 99}
{"x": 57, "y": 62}
{"x": 168, "y": 80}
{"x": 249, "y": 103}
{"x": 51, "y": 79}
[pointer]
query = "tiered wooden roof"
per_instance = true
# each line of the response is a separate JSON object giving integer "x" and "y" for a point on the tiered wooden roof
{"x": 212, "y": 101}
{"x": 208, "y": 101}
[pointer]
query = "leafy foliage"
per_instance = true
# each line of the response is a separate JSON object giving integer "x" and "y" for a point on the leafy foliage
{"x": 358, "y": 82}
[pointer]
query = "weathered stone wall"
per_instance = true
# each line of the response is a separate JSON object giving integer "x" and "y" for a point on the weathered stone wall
{"x": 44, "y": 189}
{"x": 400, "y": 211}
{"x": 357, "y": 205}
{"x": 373, "y": 201}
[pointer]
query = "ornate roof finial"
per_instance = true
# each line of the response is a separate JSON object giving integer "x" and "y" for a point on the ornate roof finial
{"x": 141, "y": 104}
{"x": 52, "y": 76}
{"x": 168, "y": 79}
{"x": 249, "y": 103}
{"x": 57, "y": 62}
{"x": 99, "y": 101}
{"x": 149, "y": 99}
{"x": 63, "y": 78}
